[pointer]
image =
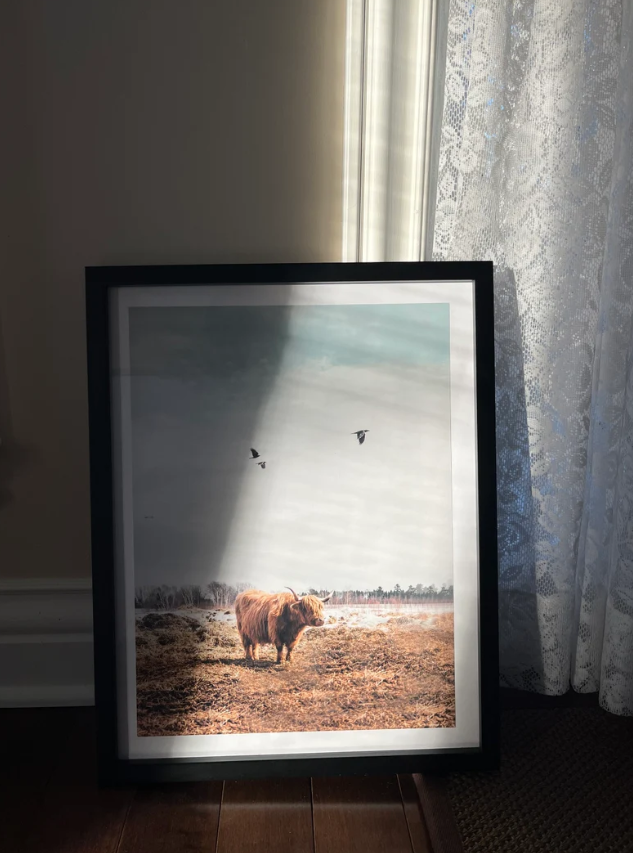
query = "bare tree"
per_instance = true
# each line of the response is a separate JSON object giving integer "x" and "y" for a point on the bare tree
{"x": 213, "y": 592}
{"x": 161, "y": 594}
{"x": 187, "y": 594}
{"x": 142, "y": 596}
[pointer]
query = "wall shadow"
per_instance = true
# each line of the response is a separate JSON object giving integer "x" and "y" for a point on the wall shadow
{"x": 13, "y": 455}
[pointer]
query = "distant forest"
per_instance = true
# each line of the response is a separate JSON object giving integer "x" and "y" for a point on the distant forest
{"x": 217, "y": 594}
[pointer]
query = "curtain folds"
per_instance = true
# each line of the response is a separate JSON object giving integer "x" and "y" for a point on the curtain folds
{"x": 536, "y": 173}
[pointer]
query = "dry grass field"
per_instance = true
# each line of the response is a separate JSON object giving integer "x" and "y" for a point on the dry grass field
{"x": 394, "y": 670}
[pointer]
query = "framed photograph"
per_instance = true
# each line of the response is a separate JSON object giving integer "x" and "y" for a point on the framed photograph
{"x": 293, "y": 518}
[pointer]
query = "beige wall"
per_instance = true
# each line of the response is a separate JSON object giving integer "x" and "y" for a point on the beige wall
{"x": 141, "y": 132}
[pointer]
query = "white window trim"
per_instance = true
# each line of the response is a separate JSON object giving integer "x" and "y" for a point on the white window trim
{"x": 394, "y": 93}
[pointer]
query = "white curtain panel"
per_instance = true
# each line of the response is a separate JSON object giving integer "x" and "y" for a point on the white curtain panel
{"x": 536, "y": 173}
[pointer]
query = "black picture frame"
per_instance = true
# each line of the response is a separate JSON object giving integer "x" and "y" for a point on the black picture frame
{"x": 99, "y": 281}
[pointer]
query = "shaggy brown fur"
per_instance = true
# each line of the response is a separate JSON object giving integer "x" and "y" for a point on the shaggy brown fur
{"x": 278, "y": 618}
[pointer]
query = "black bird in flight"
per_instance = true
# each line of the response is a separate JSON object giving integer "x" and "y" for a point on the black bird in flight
{"x": 360, "y": 435}
{"x": 256, "y": 455}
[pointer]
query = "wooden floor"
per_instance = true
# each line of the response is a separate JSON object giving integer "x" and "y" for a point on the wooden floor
{"x": 51, "y": 804}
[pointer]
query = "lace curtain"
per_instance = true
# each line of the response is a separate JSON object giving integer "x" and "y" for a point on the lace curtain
{"x": 536, "y": 173}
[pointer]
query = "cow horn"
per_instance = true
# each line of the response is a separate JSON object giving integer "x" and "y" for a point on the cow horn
{"x": 327, "y": 597}
{"x": 294, "y": 593}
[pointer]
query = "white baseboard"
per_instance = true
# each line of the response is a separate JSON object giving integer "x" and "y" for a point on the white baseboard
{"x": 46, "y": 643}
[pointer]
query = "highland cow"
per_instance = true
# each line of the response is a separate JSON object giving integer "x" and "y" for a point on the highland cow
{"x": 279, "y": 619}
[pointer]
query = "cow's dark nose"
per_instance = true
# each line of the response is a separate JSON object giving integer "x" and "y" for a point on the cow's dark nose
{"x": 318, "y": 622}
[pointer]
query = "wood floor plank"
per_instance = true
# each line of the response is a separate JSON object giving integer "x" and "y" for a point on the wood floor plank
{"x": 29, "y": 750}
{"x": 173, "y": 819}
{"x": 75, "y": 815}
{"x": 438, "y": 813}
{"x": 418, "y": 831}
{"x": 359, "y": 814}
{"x": 266, "y": 815}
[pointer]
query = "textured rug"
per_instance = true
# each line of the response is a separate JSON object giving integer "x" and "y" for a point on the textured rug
{"x": 565, "y": 784}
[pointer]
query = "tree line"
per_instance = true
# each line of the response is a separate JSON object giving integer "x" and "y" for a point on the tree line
{"x": 397, "y": 595}
{"x": 217, "y": 594}
{"x": 193, "y": 595}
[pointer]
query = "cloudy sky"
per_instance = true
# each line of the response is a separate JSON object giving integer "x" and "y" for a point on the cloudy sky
{"x": 209, "y": 383}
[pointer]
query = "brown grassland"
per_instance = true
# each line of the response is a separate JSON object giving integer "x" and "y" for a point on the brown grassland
{"x": 192, "y": 677}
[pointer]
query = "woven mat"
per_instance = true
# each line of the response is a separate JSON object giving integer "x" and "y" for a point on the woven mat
{"x": 565, "y": 784}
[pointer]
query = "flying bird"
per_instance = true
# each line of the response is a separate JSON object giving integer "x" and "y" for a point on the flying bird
{"x": 256, "y": 455}
{"x": 360, "y": 435}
